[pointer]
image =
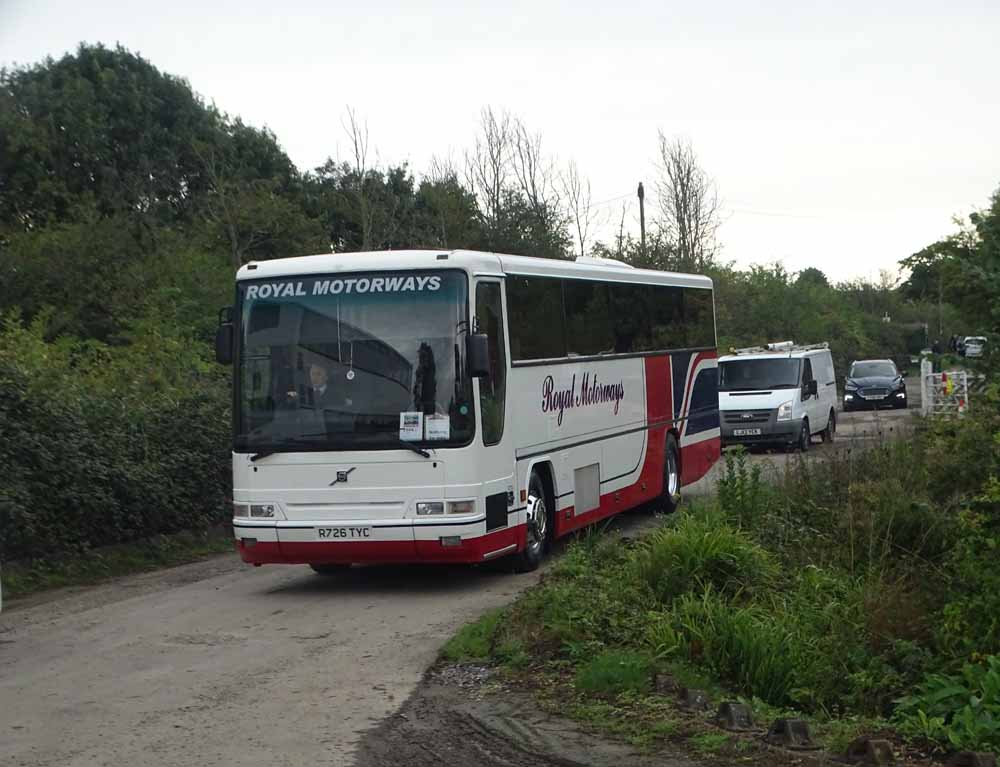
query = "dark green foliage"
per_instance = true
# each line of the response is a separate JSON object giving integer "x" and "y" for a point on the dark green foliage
{"x": 701, "y": 552}
{"x": 961, "y": 710}
{"x": 100, "y": 447}
{"x": 615, "y": 672}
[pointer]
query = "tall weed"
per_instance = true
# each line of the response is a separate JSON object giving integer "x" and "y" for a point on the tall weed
{"x": 701, "y": 551}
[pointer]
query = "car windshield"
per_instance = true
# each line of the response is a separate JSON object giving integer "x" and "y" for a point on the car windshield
{"x": 873, "y": 370}
{"x": 758, "y": 374}
{"x": 355, "y": 361}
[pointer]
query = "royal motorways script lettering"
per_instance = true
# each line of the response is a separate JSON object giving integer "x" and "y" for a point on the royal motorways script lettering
{"x": 591, "y": 392}
{"x": 347, "y": 285}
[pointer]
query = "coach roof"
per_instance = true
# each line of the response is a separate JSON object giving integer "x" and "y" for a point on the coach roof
{"x": 476, "y": 262}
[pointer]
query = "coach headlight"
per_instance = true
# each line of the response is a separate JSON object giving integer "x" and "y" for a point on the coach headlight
{"x": 426, "y": 508}
{"x": 461, "y": 507}
{"x": 241, "y": 510}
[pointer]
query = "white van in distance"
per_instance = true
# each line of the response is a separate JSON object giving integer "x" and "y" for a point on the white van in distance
{"x": 781, "y": 394}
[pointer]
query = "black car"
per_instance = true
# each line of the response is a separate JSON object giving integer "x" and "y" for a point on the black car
{"x": 874, "y": 384}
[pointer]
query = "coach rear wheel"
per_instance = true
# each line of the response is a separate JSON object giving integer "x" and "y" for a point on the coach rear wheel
{"x": 671, "y": 476}
{"x": 539, "y": 528}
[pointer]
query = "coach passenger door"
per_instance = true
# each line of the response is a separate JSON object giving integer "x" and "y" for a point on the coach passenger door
{"x": 497, "y": 465}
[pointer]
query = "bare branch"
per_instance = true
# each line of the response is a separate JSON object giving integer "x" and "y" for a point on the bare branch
{"x": 357, "y": 134}
{"x": 576, "y": 192}
{"x": 486, "y": 167}
{"x": 689, "y": 205}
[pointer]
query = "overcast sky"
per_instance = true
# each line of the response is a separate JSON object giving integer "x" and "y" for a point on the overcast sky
{"x": 840, "y": 135}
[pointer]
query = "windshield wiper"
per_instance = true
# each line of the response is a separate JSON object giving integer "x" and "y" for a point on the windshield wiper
{"x": 293, "y": 442}
{"x": 416, "y": 449}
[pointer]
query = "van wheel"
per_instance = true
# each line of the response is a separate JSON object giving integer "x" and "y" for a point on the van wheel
{"x": 330, "y": 569}
{"x": 539, "y": 527}
{"x": 831, "y": 428}
{"x": 671, "y": 496}
{"x": 805, "y": 438}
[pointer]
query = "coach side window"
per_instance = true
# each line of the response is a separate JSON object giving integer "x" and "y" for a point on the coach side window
{"x": 630, "y": 308}
{"x": 535, "y": 308}
{"x": 668, "y": 325}
{"x": 699, "y": 318}
{"x": 492, "y": 390}
{"x": 588, "y": 323}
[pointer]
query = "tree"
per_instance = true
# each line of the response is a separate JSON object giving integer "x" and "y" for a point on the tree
{"x": 812, "y": 276}
{"x": 103, "y": 127}
{"x": 576, "y": 193}
{"x": 689, "y": 206}
{"x": 513, "y": 186}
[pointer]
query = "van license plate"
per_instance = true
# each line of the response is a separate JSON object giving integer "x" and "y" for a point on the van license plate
{"x": 345, "y": 532}
{"x": 746, "y": 432}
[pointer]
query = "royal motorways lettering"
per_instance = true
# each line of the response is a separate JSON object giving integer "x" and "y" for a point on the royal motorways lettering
{"x": 590, "y": 392}
{"x": 343, "y": 286}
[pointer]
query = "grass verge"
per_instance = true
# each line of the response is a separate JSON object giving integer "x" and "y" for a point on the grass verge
{"x": 857, "y": 591}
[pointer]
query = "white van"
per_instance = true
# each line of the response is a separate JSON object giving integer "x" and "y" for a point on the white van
{"x": 781, "y": 394}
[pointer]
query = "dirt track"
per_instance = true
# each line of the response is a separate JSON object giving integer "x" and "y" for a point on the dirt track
{"x": 220, "y": 663}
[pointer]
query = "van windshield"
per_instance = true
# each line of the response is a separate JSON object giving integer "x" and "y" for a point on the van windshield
{"x": 759, "y": 374}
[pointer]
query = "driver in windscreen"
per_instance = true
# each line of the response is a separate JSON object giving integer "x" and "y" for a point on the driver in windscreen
{"x": 320, "y": 394}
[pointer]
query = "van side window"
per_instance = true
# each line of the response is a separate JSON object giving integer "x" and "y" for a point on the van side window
{"x": 807, "y": 371}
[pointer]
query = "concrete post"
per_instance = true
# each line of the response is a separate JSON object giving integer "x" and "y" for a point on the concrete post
{"x": 926, "y": 390}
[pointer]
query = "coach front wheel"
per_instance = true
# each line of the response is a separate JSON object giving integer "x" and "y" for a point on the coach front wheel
{"x": 671, "y": 497}
{"x": 539, "y": 528}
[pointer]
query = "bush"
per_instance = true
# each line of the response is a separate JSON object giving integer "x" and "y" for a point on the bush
{"x": 106, "y": 445}
{"x": 701, "y": 550}
{"x": 960, "y": 711}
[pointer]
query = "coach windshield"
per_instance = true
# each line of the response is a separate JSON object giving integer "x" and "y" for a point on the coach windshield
{"x": 353, "y": 362}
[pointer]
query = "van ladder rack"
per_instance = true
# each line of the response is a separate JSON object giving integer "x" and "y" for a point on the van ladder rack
{"x": 786, "y": 347}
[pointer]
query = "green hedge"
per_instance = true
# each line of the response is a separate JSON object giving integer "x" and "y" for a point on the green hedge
{"x": 93, "y": 457}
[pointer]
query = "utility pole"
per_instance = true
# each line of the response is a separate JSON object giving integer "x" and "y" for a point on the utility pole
{"x": 642, "y": 222}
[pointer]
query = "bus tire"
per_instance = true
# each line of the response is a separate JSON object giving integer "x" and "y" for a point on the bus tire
{"x": 539, "y": 527}
{"x": 671, "y": 496}
{"x": 330, "y": 569}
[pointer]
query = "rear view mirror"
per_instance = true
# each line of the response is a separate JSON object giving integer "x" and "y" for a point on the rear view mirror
{"x": 224, "y": 337}
{"x": 477, "y": 347}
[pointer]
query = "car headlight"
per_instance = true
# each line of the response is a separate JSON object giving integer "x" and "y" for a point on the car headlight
{"x": 425, "y": 508}
{"x": 785, "y": 411}
{"x": 848, "y": 396}
{"x": 461, "y": 507}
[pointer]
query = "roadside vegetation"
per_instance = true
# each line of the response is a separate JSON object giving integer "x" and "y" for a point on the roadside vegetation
{"x": 128, "y": 202}
{"x": 860, "y": 590}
